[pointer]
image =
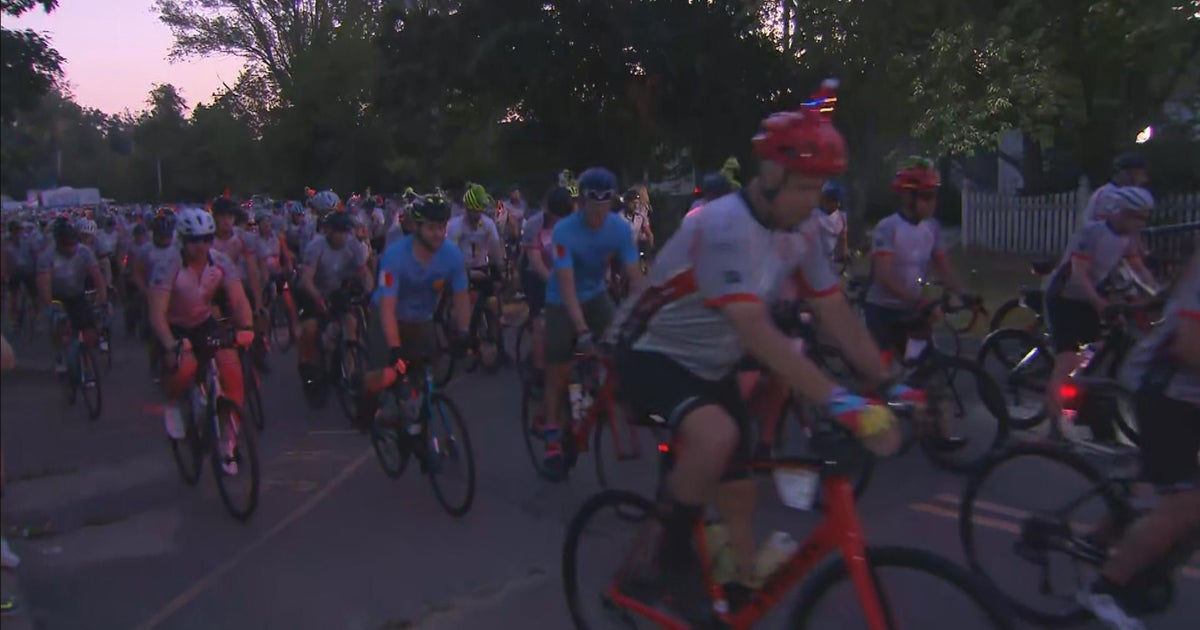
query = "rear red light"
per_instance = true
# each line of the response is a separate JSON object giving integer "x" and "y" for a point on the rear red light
{"x": 663, "y": 447}
{"x": 1069, "y": 394}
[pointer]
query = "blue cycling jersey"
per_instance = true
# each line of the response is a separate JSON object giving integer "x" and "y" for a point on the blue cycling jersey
{"x": 416, "y": 286}
{"x": 577, "y": 246}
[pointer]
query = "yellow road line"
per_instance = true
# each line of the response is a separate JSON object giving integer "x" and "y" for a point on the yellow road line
{"x": 985, "y": 505}
{"x": 213, "y": 576}
{"x": 978, "y": 519}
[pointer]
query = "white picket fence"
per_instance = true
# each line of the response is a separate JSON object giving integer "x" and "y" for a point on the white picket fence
{"x": 1042, "y": 225}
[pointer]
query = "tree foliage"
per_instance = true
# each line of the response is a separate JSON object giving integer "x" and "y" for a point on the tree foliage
{"x": 31, "y": 65}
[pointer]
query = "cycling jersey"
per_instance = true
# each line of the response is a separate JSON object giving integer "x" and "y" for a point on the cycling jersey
{"x": 479, "y": 244}
{"x": 68, "y": 275}
{"x": 191, "y": 294}
{"x": 153, "y": 257}
{"x": 832, "y": 226}
{"x": 299, "y": 235}
{"x": 721, "y": 254}
{"x": 577, "y": 246}
{"x": 234, "y": 247}
{"x": 517, "y": 211}
{"x": 1098, "y": 245}
{"x": 415, "y": 285}
{"x": 24, "y": 254}
{"x": 333, "y": 266}
{"x": 250, "y": 242}
{"x": 106, "y": 243}
{"x": 908, "y": 247}
{"x": 1149, "y": 367}
{"x": 269, "y": 250}
{"x": 535, "y": 236}
{"x": 637, "y": 223}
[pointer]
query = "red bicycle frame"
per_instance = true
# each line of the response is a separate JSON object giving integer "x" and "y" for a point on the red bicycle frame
{"x": 840, "y": 530}
{"x": 605, "y": 399}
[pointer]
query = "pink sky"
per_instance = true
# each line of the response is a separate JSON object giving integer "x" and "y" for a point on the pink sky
{"x": 116, "y": 50}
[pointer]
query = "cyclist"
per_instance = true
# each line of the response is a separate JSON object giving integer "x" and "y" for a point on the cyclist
{"x": 1129, "y": 169}
{"x": 183, "y": 293}
{"x": 275, "y": 264}
{"x": 713, "y": 185}
{"x": 331, "y": 266}
{"x": 414, "y": 273}
{"x": 1163, "y": 370}
{"x": 831, "y": 222}
{"x": 904, "y": 245}
{"x": 477, "y": 238}
{"x": 299, "y": 231}
{"x": 107, "y": 245}
{"x": 679, "y": 341}
{"x": 538, "y": 258}
{"x": 1074, "y": 303}
{"x": 233, "y": 243}
{"x": 63, "y": 273}
{"x": 20, "y": 262}
{"x": 578, "y": 309}
{"x": 730, "y": 170}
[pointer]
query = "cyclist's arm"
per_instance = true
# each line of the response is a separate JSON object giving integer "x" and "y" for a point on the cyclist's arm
{"x": 1080, "y": 265}
{"x": 945, "y": 272}
{"x": 366, "y": 278}
{"x": 533, "y": 254}
{"x": 760, "y": 337}
{"x": 101, "y": 286}
{"x": 157, "y": 300}
{"x": 631, "y": 260}
{"x": 139, "y": 273}
{"x": 308, "y": 273}
{"x": 252, "y": 277}
{"x": 850, "y": 335}
{"x": 285, "y": 255}
{"x": 239, "y": 304}
{"x": 495, "y": 246}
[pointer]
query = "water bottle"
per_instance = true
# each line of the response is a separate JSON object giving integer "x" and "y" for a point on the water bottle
{"x": 1086, "y": 355}
{"x": 720, "y": 553}
{"x": 575, "y": 392}
{"x": 774, "y": 554}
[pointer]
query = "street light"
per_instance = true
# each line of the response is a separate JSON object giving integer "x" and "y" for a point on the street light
{"x": 1144, "y": 135}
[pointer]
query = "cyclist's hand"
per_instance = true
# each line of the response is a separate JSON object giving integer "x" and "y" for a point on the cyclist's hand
{"x": 871, "y": 422}
{"x": 244, "y": 337}
{"x": 396, "y": 360}
{"x": 899, "y": 392}
{"x": 585, "y": 343}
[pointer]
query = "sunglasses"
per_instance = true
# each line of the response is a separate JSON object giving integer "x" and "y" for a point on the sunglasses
{"x": 599, "y": 195}
{"x": 927, "y": 195}
{"x": 191, "y": 240}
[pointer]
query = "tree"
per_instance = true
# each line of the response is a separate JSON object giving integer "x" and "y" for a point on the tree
{"x": 31, "y": 65}
{"x": 159, "y": 136}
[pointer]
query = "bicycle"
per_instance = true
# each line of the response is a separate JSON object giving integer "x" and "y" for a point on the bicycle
{"x": 103, "y": 317}
{"x": 83, "y": 373}
{"x": 1029, "y": 302}
{"x": 252, "y": 386}
{"x": 1064, "y": 530}
{"x": 1023, "y": 362}
{"x": 485, "y": 325}
{"x": 278, "y": 318}
{"x": 406, "y": 426}
{"x": 834, "y": 554}
{"x": 590, "y": 410}
{"x": 208, "y": 417}
{"x": 345, "y": 359}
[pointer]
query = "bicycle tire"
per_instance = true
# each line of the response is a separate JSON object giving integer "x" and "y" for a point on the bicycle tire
{"x": 1013, "y": 305}
{"x": 833, "y": 570}
{"x": 108, "y": 354}
{"x": 1038, "y": 372}
{"x": 527, "y": 433}
{"x": 444, "y": 363}
{"x": 989, "y": 395}
{"x": 253, "y": 390}
{"x": 966, "y": 522}
{"x": 347, "y": 393}
{"x": 247, "y": 457}
{"x": 189, "y": 452}
{"x": 459, "y": 445}
{"x": 386, "y": 440}
{"x": 616, "y": 501}
{"x": 280, "y": 319}
{"x": 523, "y": 339}
{"x": 87, "y": 363}
{"x": 491, "y": 330}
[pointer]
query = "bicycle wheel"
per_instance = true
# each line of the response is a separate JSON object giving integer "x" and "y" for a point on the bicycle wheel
{"x": 967, "y": 418}
{"x": 107, "y": 351}
{"x": 282, "y": 334}
{"x": 390, "y": 443}
{"x": 589, "y": 540}
{"x": 1013, "y": 314}
{"x": 240, "y": 502}
{"x": 448, "y": 456}
{"x": 252, "y": 382}
{"x": 443, "y": 364}
{"x": 348, "y": 367}
{"x": 89, "y": 381}
{"x": 535, "y": 438}
{"x": 907, "y": 580}
{"x": 491, "y": 342}
{"x": 1021, "y": 365}
{"x": 1028, "y": 545}
{"x": 189, "y": 452}
{"x": 523, "y": 352}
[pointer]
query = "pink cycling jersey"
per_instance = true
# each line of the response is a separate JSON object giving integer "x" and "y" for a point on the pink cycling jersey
{"x": 191, "y": 301}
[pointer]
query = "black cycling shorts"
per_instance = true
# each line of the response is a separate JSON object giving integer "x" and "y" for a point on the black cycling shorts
{"x": 889, "y": 327}
{"x": 660, "y": 392}
{"x": 78, "y": 310}
{"x": 1169, "y": 432}
{"x": 534, "y": 288}
{"x": 1072, "y": 323}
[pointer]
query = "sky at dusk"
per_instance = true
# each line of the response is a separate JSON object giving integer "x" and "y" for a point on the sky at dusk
{"x": 116, "y": 50}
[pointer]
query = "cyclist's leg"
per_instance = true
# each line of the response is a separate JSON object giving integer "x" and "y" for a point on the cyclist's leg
{"x": 886, "y": 327}
{"x": 559, "y": 346}
{"x": 1170, "y": 438}
{"x": 306, "y": 341}
{"x": 1072, "y": 323}
{"x": 535, "y": 298}
{"x": 229, "y": 371}
{"x": 79, "y": 313}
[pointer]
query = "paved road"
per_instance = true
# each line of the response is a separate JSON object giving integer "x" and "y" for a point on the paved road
{"x": 117, "y": 541}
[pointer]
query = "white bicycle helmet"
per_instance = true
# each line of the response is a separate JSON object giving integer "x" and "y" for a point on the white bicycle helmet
{"x": 325, "y": 201}
{"x": 1133, "y": 198}
{"x": 86, "y": 226}
{"x": 192, "y": 222}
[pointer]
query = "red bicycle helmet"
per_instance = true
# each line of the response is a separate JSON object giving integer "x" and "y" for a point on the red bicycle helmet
{"x": 918, "y": 175}
{"x": 804, "y": 141}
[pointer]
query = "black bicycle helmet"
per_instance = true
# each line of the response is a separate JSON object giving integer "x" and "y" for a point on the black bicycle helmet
{"x": 559, "y": 201}
{"x": 1126, "y": 161}
{"x": 432, "y": 209}
{"x": 64, "y": 231}
{"x": 339, "y": 222}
